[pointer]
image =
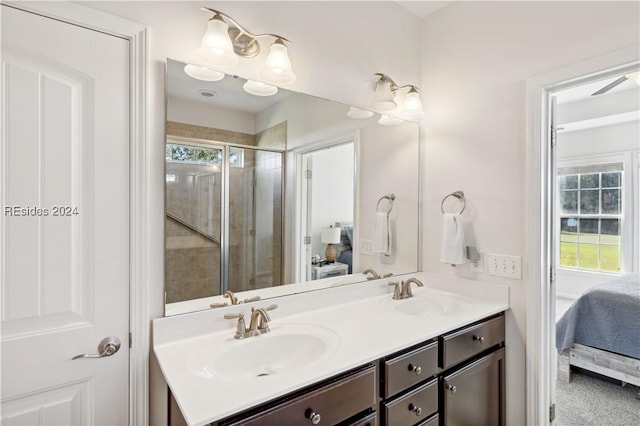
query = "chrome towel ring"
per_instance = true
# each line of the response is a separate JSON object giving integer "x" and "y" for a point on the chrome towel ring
{"x": 456, "y": 194}
{"x": 390, "y": 198}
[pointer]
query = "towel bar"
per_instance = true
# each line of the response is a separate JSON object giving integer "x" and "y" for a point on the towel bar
{"x": 457, "y": 194}
{"x": 389, "y": 197}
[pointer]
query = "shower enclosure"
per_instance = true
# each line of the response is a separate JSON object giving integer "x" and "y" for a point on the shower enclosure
{"x": 223, "y": 222}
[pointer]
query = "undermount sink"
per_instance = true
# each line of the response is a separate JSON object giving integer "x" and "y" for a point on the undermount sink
{"x": 285, "y": 349}
{"x": 433, "y": 302}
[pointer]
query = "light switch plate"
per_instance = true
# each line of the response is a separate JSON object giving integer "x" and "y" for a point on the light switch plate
{"x": 366, "y": 247}
{"x": 503, "y": 265}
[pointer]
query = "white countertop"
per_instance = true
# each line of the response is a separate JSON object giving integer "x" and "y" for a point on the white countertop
{"x": 364, "y": 317}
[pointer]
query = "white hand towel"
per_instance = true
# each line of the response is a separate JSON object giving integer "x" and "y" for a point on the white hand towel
{"x": 453, "y": 245}
{"x": 382, "y": 234}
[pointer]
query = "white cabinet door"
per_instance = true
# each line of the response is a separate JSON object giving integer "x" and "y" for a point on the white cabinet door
{"x": 64, "y": 182}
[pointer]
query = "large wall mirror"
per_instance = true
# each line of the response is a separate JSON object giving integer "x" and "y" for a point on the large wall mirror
{"x": 272, "y": 192}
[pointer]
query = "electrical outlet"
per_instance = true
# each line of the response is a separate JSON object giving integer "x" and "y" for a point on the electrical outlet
{"x": 503, "y": 265}
{"x": 366, "y": 247}
{"x": 479, "y": 265}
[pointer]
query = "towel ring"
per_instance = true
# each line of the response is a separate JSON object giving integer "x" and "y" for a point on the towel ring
{"x": 389, "y": 197}
{"x": 457, "y": 194}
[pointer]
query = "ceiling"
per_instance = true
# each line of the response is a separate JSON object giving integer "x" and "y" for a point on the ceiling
{"x": 584, "y": 92}
{"x": 227, "y": 93}
{"x": 423, "y": 8}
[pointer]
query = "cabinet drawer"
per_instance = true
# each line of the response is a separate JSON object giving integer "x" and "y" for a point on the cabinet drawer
{"x": 335, "y": 402}
{"x": 432, "y": 421}
{"x": 468, "y": 342}
{"x": 410, "y": 369}
{"x": 413, "y": 407}
{"x": 370, "y": 420}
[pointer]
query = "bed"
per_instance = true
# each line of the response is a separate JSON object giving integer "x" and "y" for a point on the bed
{"x": 345, "y": 248}
{"x": 600, "y": 332}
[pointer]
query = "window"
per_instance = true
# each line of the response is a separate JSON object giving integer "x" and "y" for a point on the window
{"x": 201, "y": 155}
{"x": 591, "y": 217}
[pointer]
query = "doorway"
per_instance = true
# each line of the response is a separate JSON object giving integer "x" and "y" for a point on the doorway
{"x": 328, "y": 190}
{"x": 596, "y": 127}
{"x": 540, "y": 349}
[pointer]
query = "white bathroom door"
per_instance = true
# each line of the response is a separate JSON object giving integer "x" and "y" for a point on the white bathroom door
{"x": 64, "y": 183}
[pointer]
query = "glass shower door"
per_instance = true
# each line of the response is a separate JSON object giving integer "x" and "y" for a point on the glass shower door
{"x": 255, "y": 219}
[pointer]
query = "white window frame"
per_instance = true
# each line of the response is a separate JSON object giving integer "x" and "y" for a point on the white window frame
{"x": 627, "y": 244}
{"x": 635, "y": 231}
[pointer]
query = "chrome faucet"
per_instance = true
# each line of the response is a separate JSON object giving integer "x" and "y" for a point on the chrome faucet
{"x": 259, "y": 321}
{"x": 406, "y": 287}
{"x": 233, "y": 299}
{"x": 374, "y": 274}
{"x": 258, "y": 324}
{"x": 403, "y": 290}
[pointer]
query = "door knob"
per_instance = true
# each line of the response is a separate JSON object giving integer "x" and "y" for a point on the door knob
{"x": 108, "y": 346}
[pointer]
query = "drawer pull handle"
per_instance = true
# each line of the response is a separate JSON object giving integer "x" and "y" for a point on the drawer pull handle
{"x": 313, "y": 416}
{"x": 478, "y": 338}
{"x": 452, "y": 388}
{"x": 415, "y": 409}
{"x": 415, "y": 369}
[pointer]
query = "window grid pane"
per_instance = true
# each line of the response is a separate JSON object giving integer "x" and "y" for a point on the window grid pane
{"x": 587, "y": 239}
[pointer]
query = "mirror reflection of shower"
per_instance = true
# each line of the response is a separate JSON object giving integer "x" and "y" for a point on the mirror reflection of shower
{"x": 223, "y": 206}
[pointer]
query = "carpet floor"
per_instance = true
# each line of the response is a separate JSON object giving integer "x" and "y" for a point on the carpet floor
{"x": 590, "y": 401}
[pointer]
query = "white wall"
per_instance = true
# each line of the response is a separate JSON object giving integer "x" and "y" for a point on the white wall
{"x": 332, "y": 193}
{"x": 476, "y": 57}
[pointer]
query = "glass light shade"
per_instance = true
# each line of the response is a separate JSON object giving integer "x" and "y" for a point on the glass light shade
{"x": 359, "y": 113}
{"x": 387, "y": 120}
{"x": 277, "y": 67}
{"x": 412, "y": 106}
{"x": 259, "y": 89}
{"x": 203, "y": 73}
{"x": 216, "y": 47}
{"x": 383, "y": 97}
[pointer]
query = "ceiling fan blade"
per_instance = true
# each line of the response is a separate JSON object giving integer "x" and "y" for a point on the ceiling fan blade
{"x": 610, "y": 86}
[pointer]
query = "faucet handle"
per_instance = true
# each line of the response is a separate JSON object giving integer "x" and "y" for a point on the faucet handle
{"x": 219, "y": 305}
{"x": 387, "y": 275}
{"x": 251, "y": 299}
{"x": 241, "y": 329}
{"x": 396, "y": 289}
{"x": 271, "y": 307}
{"x": 239, "y": 315}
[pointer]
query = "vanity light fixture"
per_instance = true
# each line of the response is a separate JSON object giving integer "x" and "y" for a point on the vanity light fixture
{"x": 384, "y": 98}
{"x": 259, "y": 89}
{"x": 359, "y": 113}
{"x": 388, "y": 120}
{"x": 203, "y": 73}
{"x": 226, "y": 40}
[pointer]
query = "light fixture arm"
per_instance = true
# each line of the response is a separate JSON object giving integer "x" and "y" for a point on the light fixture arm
{"x": 241, "y": 29}
{"x": 393, "y": 85}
